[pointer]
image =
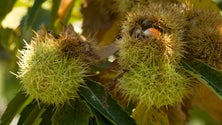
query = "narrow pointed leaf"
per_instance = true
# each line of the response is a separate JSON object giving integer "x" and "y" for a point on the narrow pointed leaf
{"x": 14, "y": 107}
{"x": 54, "y": 12}
{"x": 205, "y": 74}
{"x": 78, "y": 113}
{"x": 34, "y": 117}
{"x": 32, "y": 13}
{"x": 47, "y": 115}
{"x": 100, "y": 119}
{"x": 26, "y": 112}
{"x": 111, "y": 110}
{"x": 31, "y": 19}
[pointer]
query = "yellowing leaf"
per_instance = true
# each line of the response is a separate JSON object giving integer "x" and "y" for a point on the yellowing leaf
{"x": 207, "y": 101}
{"x": 178, "y": 114}
{"x": 110, "y": 34}
{"x": 150, "y": 116}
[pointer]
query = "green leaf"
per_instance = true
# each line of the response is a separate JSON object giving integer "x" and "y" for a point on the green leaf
{"x": 32, "y": 114}
{"x": 32, "y": 13}
{"x": 14, "y": 107}
{"x": 54, "y": 12}
{"x": 47, "y": 115}
{"x": 78, "y": 113}
{"x": 27, "y": 111}
{"x": 111, "y": 110}
{"x": 6, "y": 6}
{"x": 204, "y": 73}
{"x": 99, "y": 119}
{"x": 92, "y": 121}
{"x": 29, "y": 20}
